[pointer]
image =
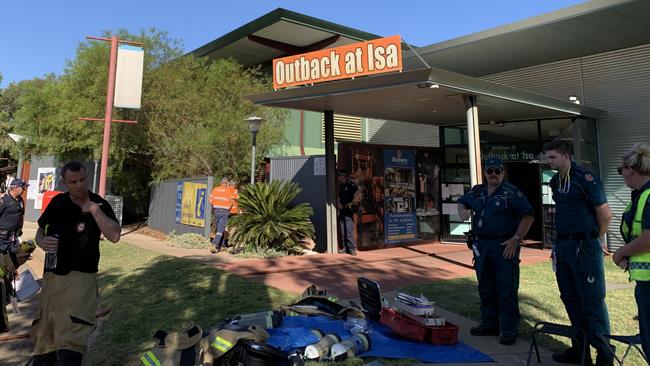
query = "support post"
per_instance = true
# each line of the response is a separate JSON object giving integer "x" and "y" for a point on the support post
{"x": 330, "y": 169}
{"x": 110, "y": 93}
{"x": 473, "y": 140}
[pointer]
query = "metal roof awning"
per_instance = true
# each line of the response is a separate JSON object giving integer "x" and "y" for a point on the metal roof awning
{"x": 428, "y": 96}
{"x": 279, "y": 33}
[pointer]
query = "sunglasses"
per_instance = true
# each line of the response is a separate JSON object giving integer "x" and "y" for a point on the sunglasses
{"x": 620, "y": 169}
{"x": 494, "y": 171}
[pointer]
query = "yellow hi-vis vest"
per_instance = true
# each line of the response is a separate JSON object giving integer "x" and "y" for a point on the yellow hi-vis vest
{"x": 639, "y": 264}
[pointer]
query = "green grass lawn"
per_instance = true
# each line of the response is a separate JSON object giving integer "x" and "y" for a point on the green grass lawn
{"x": 539, "y": 300}
{"x": 148, "y": 291}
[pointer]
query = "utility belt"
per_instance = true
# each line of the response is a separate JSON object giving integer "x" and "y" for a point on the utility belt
{"x": 579, "y": 236}
{"x": 7, "y": 234}
{"x": 492, "y": 237}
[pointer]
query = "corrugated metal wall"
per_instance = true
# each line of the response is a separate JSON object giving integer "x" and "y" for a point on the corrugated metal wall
{"x": 300, "y": 170}
{"x": 162, "y": 207}
{"x": 617, "y": 82}
{"x": 385, "y": 132}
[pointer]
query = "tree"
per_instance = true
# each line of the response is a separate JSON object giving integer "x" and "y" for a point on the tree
{"x": 191, "y": 120}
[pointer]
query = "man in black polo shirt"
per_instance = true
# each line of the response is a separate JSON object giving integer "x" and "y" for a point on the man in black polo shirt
{"x": 70, "y": 227}
{"x": 12, "y": 211}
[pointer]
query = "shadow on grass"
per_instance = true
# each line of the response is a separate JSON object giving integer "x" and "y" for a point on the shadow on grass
{"x": 148, "y": 292}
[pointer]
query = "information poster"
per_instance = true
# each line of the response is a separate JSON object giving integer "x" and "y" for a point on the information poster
{"x": 399, "y": 195}
{"x": 46, "y": 182}
{"x": 179, "y": 201}
{"x": 193, "y": 204}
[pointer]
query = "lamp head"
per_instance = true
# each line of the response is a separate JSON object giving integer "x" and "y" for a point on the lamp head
{"x": 254, "y": 123}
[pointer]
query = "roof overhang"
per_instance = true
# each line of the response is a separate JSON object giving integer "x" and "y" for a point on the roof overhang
{"x": 280, "y": 33}
{"x": 428, "y": 96}
{"x": 585, "y": 29}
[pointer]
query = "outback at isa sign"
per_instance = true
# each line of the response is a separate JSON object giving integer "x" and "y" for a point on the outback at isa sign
{"x": 358, "y": 59}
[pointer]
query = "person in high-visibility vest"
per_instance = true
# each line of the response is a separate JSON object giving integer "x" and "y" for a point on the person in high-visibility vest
{"x": 220, "y": 198}
{"x": 635, "y": 229}
{"x": 234, "y": 209}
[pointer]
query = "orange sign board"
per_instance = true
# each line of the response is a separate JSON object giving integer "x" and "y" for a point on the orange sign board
{"x": 358, "y": 59}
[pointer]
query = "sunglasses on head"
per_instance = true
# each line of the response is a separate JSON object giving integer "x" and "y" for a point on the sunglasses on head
{"x": 495, "y": 171}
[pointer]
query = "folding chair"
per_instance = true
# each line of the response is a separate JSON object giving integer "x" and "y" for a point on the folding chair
{"x": 568, "y": 331}
{"x": 631, "y": 341}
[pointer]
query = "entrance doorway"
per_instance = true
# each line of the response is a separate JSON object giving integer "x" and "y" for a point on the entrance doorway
{"x": 526, "y": 177}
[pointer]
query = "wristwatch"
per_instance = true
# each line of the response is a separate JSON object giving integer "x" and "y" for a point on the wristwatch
{"x": 517, "y": 237}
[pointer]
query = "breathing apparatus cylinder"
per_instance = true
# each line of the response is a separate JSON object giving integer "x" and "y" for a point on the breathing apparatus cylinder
{"x": 321, "y": 349}
{"x": 351, "y": 347}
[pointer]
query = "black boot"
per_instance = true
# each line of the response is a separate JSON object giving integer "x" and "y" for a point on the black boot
{"x": 605, "y": 358}
{"x": 47, "y": 359}
{"x": 572, "y": 355}
{"x": 68, "y": 358}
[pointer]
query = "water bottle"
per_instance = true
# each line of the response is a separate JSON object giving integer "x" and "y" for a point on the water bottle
{"x": 319, "y": 351}
{"x": 350, "y": 347}
{"x": 51, "y": 258}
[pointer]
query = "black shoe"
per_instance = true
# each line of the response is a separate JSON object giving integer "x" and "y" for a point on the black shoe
{"x": 572, "y": 355}
{"x": 605, "y": 359}
{"x": 481, "y": 331}
{"x": 507, "y": 340}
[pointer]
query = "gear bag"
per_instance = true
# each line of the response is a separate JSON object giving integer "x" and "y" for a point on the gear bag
{"x": 316, "y": 302}
{"x": 173, "y": 349}
{"x": 250, "y": 353}
{"x": 220, "y": 341}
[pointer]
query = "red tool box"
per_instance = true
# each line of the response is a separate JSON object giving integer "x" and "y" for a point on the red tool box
{"x": 413, "y": 330}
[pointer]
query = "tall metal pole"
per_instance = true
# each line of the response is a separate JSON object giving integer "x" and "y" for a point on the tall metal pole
{"x": 330, "y": 174}
{"x": 253, "y": 167}
{"x": 253, "y": 141}
{"x": 108, "y": 116}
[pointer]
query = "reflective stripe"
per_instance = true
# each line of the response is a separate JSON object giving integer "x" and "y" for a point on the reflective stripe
{"x": 221, "y": 344}
{"x": 149, "y": 359}
{"x": 639, "y": 264}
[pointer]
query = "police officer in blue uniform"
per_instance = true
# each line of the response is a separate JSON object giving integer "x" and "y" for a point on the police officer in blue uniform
{"x": 12, "y": 210}
{"x": 582, "y": 218}
{"x": 501, "y": 217}
{"x": 347, "y": 191}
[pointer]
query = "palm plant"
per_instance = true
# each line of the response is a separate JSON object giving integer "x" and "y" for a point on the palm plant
{"x": 268, "y": 221}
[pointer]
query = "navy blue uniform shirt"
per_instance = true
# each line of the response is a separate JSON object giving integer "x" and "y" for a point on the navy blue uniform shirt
{"x": 629, "y": 216}
{"x": 575, "y": 200}
{"x": 496, "y": 216}
{"x": 11, "y": 213}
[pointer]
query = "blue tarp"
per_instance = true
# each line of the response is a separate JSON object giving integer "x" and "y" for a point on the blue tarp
{"x": 295, "y": 332}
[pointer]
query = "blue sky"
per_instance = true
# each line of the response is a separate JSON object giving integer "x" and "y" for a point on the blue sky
{"x": 37, "y": 37}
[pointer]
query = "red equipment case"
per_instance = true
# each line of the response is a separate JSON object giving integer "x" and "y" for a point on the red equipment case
{"x": 411, "y": 329}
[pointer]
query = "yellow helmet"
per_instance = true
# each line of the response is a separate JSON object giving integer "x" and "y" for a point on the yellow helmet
{"x": 26, "y": 246}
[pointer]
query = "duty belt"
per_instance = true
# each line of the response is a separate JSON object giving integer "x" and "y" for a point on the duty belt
{"x": 578, "y": 236}
{"x": 492, "y": 237}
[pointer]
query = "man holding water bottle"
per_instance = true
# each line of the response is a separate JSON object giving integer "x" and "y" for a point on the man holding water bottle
{"x": 69, "y": 232}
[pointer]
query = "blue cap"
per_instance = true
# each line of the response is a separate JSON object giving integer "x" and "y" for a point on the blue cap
{"x": 18, "y": 183}
{"x": 493, "y": 162}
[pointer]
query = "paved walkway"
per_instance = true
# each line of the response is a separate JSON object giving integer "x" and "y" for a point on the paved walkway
{"x": 393, "y": 268}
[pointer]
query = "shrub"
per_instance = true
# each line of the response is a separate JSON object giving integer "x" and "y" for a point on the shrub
{"x": 268, "y": 221}
{"x": 188, "y": 241}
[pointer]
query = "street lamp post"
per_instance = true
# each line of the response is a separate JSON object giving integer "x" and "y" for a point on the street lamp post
{"x": 254, "y": 124}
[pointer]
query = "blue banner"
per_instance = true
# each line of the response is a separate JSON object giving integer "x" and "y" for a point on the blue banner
{"x": 399, "y": 196}
{"x": 179, "y": 200}
{"x": 200, "y": 203}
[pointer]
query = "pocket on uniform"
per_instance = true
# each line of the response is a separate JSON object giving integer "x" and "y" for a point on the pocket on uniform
{"x": 82, "y": 320}
{"x": 37, "y": 317}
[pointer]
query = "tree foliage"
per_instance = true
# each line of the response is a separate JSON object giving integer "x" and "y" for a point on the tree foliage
{"x": 191, "y": 122}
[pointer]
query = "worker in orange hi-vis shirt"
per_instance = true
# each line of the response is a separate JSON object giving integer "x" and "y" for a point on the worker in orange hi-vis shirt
{"x": 220, "y": 198}
{"x": 234, "y": 209}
